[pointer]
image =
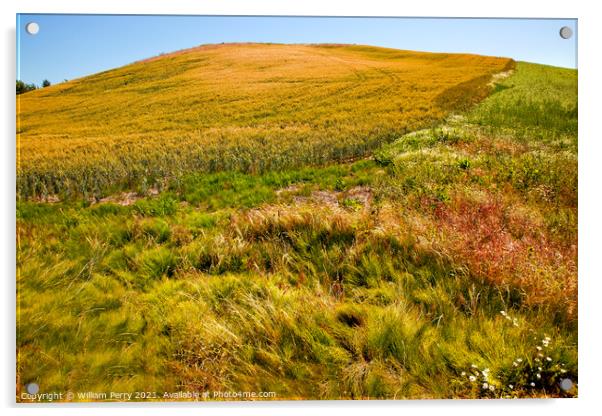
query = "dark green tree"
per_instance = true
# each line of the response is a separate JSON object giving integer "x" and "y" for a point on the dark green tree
{"x": 45, "y": 83}
{"x": 23, "y": 87}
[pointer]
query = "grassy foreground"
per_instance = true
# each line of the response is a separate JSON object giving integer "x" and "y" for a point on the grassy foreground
{"x": 445, "y": 266}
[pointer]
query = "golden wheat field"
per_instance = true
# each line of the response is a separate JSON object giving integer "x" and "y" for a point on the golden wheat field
{"x": 244, "y": 107}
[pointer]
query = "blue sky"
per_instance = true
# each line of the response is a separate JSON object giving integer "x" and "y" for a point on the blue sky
{"x": 72, "y": 46}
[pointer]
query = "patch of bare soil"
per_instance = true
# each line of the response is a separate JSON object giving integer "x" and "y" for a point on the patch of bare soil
{"x": 361, "y": 195}
{"x": 289, "y": 189}
{"x": 49, "y": 199}
{"x": 495, "y": 78}
{"x": 124, "y": 198}
{"x": 127, "y": 198}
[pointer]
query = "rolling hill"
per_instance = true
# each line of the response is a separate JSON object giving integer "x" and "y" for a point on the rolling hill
{"x": 244, "y": 107}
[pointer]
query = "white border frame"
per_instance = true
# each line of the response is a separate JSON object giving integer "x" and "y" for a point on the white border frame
{"x": 590, "y": 173}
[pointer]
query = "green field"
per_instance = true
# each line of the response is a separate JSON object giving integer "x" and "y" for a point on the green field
{"x": 437, "y": 261}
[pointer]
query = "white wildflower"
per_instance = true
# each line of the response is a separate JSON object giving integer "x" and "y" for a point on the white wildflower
{"x": 485, "y": 386}
{"x": 472, "y": 378}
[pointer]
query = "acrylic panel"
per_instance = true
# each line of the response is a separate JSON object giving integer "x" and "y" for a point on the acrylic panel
{"x": 225, "y": 208}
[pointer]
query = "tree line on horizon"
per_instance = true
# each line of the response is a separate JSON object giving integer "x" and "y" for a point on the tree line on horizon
{"x": 23, "y": 87}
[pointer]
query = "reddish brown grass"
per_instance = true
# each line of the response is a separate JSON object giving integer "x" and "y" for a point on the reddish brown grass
{"x": 506, "y": 244}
